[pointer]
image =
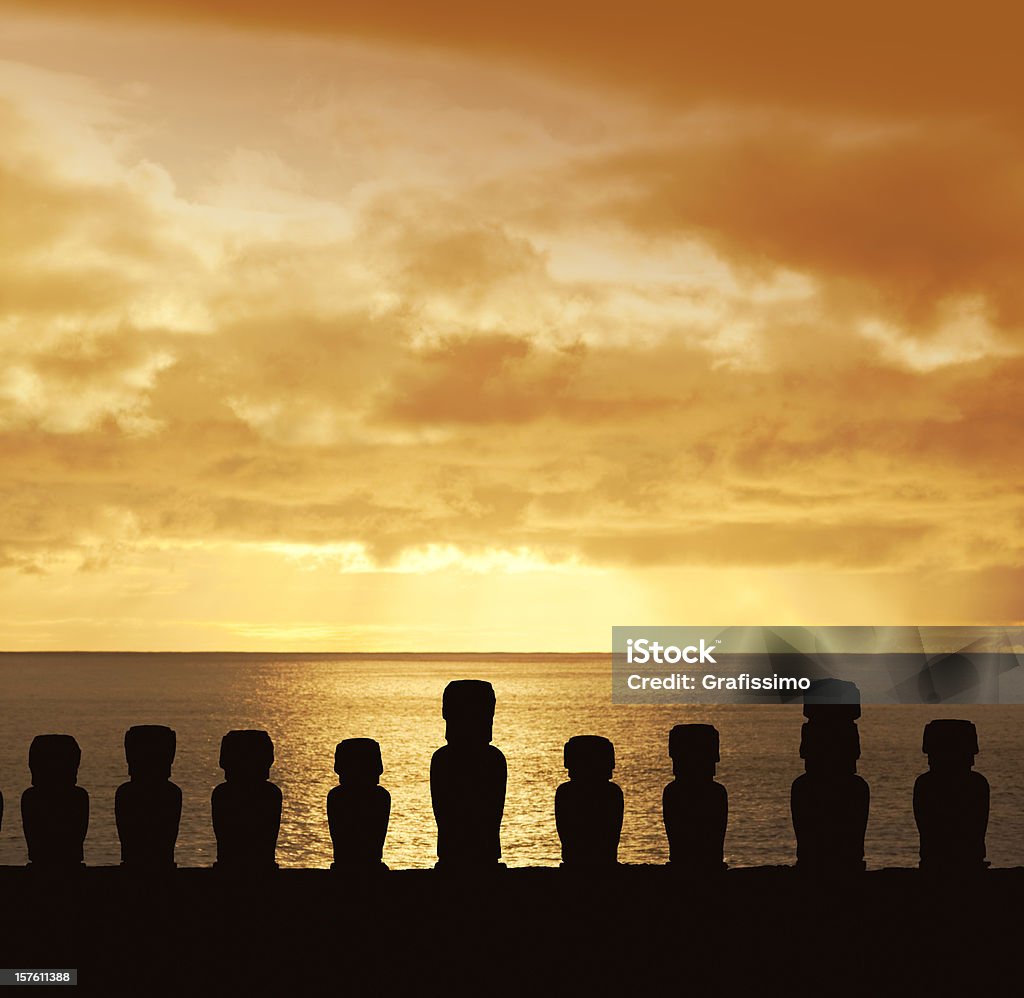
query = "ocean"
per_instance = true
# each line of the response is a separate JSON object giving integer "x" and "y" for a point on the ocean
{"x": 310, "y": 702}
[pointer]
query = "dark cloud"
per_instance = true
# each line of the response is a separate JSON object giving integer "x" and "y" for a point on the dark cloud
{"x": 849, "y": 544}
{"x": 427, "y": 378}
{"x": 912, "y": 218}
{"x": 880, "y": 57}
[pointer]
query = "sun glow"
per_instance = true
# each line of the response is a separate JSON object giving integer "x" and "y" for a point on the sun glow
{"x": 321, "y": 329}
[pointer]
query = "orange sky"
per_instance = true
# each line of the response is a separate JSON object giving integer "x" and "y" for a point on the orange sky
{"x": 418, "y": 327}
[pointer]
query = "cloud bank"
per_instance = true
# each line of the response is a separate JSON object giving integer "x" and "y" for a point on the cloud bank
{"x": 346, "y": 306}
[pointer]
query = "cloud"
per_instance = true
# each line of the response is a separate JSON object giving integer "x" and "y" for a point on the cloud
{"x": 904, "y": 220}
{"x": 484, "y": 379}
{"x": 916, "y": 57}
{"x": 846, "y": 545}
{"x": 735, "y": 348}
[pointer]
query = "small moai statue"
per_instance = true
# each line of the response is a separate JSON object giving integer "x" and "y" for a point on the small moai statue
{"x": 148, "y": 807}
{"x": 951, "y": 800}
{"x": 467, "y": 780}
{"x": 829, "y": 802}
{"x": 588, "y": 809}
{"x": 694, "y": 806}
{"x": 247, "y": 806}
{"x": 358, "y": 809}
{"x": 55, "y": 810}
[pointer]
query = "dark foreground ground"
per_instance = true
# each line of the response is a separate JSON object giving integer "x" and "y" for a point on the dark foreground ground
{"x": 528, "y": 931}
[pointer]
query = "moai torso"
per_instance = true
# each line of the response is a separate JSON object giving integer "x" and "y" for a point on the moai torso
{"x": 695, "y": 808}
{"x": 54, "y": 810}
{"x": 148, "y": 807}
{"x": 951, "y": 801}
{"x": 148, "y": 815}
{"x": 359, "y": 809}
{"x": 830, "y": 818}
{"x": 589, "y": 808}
{"x": 829, "y": 803}
{"x": 468, "y": 778}
{"x": 247, "y": 806}
{"x": 467, "y": 790}
{"x": 588, "y": 815}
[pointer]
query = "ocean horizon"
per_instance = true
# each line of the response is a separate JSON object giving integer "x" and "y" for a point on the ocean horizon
{"x": 310, "y": 701}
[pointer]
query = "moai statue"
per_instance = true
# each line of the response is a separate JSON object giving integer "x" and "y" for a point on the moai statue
{"x": 467, "y": 780}
{"x": 54, "y": 810}
{"x": 247, "y": 806}
{"x": 694, "y": 806}
{"x": 829, "y": 802}
{"x": 148, "y": 807}
{"x": 358, "y": 809}
{"x": 588, "y": 809}
{"x": 951, "y": 800}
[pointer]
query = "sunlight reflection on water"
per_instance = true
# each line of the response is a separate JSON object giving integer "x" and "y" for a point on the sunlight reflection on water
{"x": 308, "y": 705}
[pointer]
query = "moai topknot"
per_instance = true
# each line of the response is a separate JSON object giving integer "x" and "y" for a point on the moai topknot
{"x": 54, "y": 810}
{"x": 829, "y": 802}
{"x": 694, "y": 806}
{"x": 951, "y": 800}
{"x": 588, "y": 809}
{"x": 247, "y": 806}
{"x": 148, "y": 807}
{"x": 467, "y": 779}
{"x": 358, "y": 809}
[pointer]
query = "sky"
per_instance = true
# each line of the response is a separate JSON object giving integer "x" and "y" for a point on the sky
{"x": 460, "y": 327}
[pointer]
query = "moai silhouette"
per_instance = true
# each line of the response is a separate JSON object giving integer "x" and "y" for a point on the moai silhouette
{"x": 247, "y": 806}
{"x": 54, "y": 810}
{"x": 467, "y": 779}
{"x": 588, "y": 809}
{"x": 148, "y": 807}
{"x": 694, "y": 806}
{"x": 358, "y": 809}
{"x": 829, "y": 802}
{"x": 951, "y": 800}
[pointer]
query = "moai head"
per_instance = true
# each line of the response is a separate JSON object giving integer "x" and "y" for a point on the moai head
{"x": 832, "y": 701}
{"x": 694, "y": 750}
{"x": 357, "y": 762}
{"x": 149, "y": 750}
{"x": 468, "y": 710}
{"x": 54, "y": 761}
{"x": 950, "y": 745}
{"x": 246, "y": 756}
{"x": 830, "y": 748}
{"x": 589, "y": 757}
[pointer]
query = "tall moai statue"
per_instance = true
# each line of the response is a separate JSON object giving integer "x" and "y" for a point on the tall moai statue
{"x": 951, "y": 800}
{"x": 588, "y": 809}
{"x": 359, "y": 808}
{"x": 247, "y": 806}
{"x": 147, "y": 808}
{"x": 467, "y": 779}
{"x": 830, "y": 802}
{"x": 55, "y": 810}
{"x": 694, "y": 806}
